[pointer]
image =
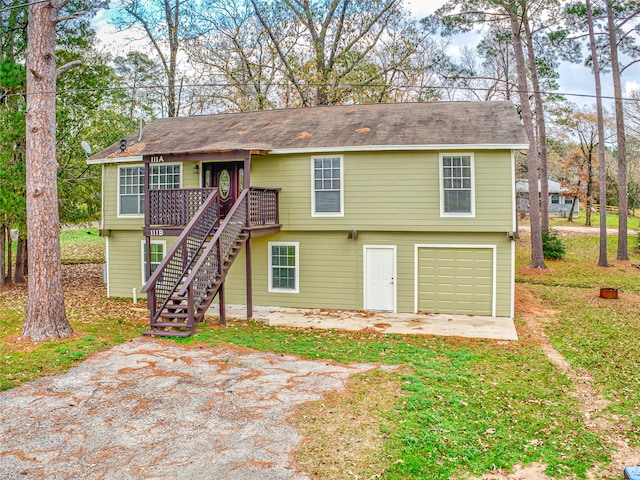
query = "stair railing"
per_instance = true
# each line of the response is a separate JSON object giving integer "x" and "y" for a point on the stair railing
{"x": 166, "y": 278}
{"x": 210, "y": 264}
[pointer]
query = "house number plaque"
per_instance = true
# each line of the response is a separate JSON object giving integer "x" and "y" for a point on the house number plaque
{"x": 157, "y": 233}
{"x": 157, "y": 159}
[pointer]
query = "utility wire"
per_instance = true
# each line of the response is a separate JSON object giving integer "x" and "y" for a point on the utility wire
{"x": 288, "y": 85}
{"x": 3, "y": 9}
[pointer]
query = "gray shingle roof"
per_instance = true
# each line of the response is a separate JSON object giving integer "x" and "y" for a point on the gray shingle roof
{"x": 375, "y": 127}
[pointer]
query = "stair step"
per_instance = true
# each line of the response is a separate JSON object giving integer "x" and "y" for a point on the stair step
{"x": 176, "y": 306}
{"x": 174, "y": 315}
{"x": 169, "y": 324}
{"x": 168, "y": 333}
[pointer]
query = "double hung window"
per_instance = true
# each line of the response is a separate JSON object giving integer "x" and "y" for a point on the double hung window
{"x": 457, "y": 185}
{"x": 327, "y": 190}
{"x": 131, "y": 185}
{"x": 284, "y": 267}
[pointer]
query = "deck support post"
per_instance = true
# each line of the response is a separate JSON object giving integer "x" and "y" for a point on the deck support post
{"x": 247, "y": 186}
{"x": 147, "y": 209}
{"x": 247, "y": 247}
{"x": 223, "y": 312}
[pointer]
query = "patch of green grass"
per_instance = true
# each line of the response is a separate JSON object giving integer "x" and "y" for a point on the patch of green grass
{"x": 467, "y": 407}
{"x": 579, "y": 267}
{"x": 463, "y": 407}
{"x": 24, "y": 361}
{"x": 613, "y": 221}
{"x": 600, "y": 336}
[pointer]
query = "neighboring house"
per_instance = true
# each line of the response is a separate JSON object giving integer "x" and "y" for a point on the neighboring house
{"x": 395, "y": 207}
{"x": 559, "y": 204}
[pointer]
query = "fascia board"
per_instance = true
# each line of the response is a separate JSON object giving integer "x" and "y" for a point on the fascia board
{"x": 379, "y": 148}
{"x": 103, "y": 161}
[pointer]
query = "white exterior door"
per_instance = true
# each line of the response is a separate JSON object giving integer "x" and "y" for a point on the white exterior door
{"x": 379, "y": 285}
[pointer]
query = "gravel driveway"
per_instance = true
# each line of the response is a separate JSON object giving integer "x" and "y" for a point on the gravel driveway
{"x": 149, "y": 409}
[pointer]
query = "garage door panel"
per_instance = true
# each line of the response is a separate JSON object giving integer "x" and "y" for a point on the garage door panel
{"x": 455, "y": 280}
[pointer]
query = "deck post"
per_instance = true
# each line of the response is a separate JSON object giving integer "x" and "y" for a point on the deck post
{"x": 147, "y": 216}
{"x": 247, "y": 247}
{"x": 223, "y": 313}
{"x": 247, "y": 186}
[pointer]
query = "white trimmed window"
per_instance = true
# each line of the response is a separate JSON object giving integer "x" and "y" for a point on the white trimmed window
{"x": 327, "y": 192}
{"x": 457, "y": 192}
{"x": 158, "y": 249}
{"x": 284, "y": 267}
{"x": 131, "y": 185}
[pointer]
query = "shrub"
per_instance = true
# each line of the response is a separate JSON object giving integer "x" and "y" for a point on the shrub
{"x": 552, "y": 245}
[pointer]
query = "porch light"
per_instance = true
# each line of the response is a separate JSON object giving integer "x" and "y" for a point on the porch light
{"x": 196, "y": 168}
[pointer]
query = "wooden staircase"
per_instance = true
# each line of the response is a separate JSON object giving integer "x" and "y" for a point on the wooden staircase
{"x": 183, "y": 286}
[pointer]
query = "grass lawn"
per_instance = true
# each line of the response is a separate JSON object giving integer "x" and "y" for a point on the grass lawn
{"x": 449, "y": 407}
{"x": 633, "y": 222}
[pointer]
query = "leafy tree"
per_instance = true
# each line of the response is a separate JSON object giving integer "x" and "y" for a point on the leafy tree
{"x": 13, "y": 21}
{"x": 324, "y": 45}
{"x": 165, "y": 25}
{"x": 578, "y": 128}
{"x": 138, "y": 76}
{"x": 234, "y": 51}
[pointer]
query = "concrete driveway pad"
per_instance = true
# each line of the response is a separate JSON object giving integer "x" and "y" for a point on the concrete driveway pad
{"x": 149, "y": 409}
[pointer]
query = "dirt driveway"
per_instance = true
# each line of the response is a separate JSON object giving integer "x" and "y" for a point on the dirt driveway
{"x": 148, "y": 409}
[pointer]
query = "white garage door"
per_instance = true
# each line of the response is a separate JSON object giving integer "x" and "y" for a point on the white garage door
{"x": 455, "y": 280}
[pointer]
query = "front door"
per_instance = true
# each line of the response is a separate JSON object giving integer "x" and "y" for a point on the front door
{"x": 379, "y": 278}
{"x": 228, "y": 178}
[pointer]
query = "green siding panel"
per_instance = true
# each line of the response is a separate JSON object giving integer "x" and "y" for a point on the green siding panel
{"x": 331, "y": 274}
{"x": 397, "y": 191}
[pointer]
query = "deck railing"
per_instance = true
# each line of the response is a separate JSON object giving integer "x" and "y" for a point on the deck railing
{"x": 166, "y": 277}
{"x": 210, "y": 264}
{"x": 175, "y": 207}
{"x": 264, "y": 206}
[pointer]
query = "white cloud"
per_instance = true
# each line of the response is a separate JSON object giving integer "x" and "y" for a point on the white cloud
{"x": 422, "y": 8}
{"x": 630, "y": 86}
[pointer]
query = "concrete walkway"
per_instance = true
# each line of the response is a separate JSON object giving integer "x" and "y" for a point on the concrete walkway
{"x": 496, "y": 328}
{"x": 157, "y": 410}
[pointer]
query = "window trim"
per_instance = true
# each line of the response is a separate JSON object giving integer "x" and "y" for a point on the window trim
{"x": 119, "y": 169}
{"x": 443, "y": 213}
{"x": 313, "y": 187}
{"x": 119, "y": 195}
{"x": 143, "y": 257}
{"x": 296, "y": 288}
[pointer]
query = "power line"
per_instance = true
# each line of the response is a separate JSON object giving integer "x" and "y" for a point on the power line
{"x": 148, "y": 88}
{"x": 4, "y": 9}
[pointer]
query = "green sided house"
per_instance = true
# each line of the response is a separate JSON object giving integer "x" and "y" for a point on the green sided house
{"x": 389, "y": 207}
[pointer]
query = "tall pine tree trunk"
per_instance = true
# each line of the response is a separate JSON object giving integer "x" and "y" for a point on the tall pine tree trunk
{"x": 537, "y": 255}
{"x": 21, "y": 257}
{"x": 541, "y": 128}
{"x": 602, "y": 257}
{"x": 46, "y": 316}
{"x": 623, "y": 200}
{"x": 3, "y": 247}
